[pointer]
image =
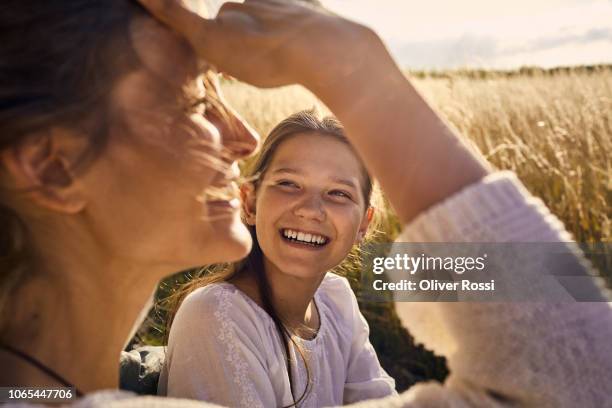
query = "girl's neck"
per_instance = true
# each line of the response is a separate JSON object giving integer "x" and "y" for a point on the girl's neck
{"x": 292, "y": 297}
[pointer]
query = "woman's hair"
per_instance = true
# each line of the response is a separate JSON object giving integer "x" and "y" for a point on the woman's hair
{"x": 59, "y": 61}
{"x": 302, "y": 122}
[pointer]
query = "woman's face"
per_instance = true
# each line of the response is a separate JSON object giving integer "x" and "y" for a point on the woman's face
{"x": 148, "y": 203}
{"x": 309, "y": 207}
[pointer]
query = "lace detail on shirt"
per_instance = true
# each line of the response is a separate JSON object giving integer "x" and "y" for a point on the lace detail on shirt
{"x": 233, "y": 354}
{"x": 315, "y": 382}
{"x": 312, "y": 349}
{"x": 311, "y": 399}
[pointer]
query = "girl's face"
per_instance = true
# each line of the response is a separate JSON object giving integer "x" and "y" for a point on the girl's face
{"x": 147, "y": 190}
{"x": 309, "y": 208}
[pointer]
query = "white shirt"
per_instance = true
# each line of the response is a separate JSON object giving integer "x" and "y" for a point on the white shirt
{"x": 224, "y": 348}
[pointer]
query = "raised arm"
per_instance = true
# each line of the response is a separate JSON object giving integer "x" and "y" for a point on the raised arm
{"x": 416, "y": 157}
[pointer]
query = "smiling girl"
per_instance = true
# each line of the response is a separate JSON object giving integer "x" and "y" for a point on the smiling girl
{"x": 308, "y": 206}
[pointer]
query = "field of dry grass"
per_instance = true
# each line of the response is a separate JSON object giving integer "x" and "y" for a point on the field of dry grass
{"x": 553, "y": 130}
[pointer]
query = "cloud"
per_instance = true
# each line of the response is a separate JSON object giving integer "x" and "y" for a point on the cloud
{"x": 446, "y": 34}
{"x": 469, "y": 49}
{"x": 482, "y": 50}
{"x": 592, "y": 35}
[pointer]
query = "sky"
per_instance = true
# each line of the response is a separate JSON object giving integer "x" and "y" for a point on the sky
{"x": 443, "y": 34}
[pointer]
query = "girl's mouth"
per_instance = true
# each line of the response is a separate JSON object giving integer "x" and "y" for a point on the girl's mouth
{"x": 307, "y": 239}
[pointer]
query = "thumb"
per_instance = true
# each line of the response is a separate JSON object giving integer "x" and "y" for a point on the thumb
{"x": 190, "y": 22}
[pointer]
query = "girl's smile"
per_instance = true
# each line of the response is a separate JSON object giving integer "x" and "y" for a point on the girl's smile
{"x": 312, "y": 239}
{"x": 308, "y": 207}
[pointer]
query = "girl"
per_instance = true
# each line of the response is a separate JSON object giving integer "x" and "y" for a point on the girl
{"x": 84, "y": 242}
{"x": 309, "y": 204}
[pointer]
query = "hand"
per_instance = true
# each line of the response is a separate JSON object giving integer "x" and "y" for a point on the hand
{"x": 272, "y": 42}
{"x": 417, "y": 159}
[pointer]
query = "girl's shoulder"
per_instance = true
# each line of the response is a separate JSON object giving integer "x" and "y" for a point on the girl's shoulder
{"x": 219, "y": 302}
{"x": 338, "y": 300}
{"x": 218, "y": 316}
{"x": 333, "y": 284}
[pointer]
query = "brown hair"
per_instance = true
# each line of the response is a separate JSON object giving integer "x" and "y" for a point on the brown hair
{"x": 56, "y": 70}
{"x": 299, "y": 123}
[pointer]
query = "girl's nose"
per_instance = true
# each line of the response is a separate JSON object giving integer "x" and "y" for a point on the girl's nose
{"x": 310, "y": 208}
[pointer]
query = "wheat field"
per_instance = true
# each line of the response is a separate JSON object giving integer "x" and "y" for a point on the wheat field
{"x": 554, "y": 129}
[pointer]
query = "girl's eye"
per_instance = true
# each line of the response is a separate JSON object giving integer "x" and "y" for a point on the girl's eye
{"x": 287, "y": 183}
{"x": 340, "y": 193}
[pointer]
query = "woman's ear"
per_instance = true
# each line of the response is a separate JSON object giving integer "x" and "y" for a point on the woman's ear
{"x": 249, "y": 199}
{"x": 365, "y": 223}
{"x": 41, "y": 166}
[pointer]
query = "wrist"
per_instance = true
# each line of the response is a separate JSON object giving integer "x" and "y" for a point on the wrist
{"x": 361, "y": 71}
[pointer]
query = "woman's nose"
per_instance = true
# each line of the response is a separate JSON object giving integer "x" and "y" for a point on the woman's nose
{"x": 310, "y": 208}
{"x": 239, "y": 138}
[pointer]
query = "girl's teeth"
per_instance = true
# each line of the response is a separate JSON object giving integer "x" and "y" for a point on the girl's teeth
{"x": 304, "y": 237}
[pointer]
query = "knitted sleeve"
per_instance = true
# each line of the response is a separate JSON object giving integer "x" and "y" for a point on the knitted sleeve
{"x": 527, "y": 354}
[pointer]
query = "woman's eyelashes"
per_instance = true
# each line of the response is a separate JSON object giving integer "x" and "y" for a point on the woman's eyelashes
{"x": 200, "y": 106}
{"x": 202, "y": 96}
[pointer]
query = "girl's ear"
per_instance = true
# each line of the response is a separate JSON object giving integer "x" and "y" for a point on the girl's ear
{"x": 365, "y": 222}
{"x": 248, "y": 198}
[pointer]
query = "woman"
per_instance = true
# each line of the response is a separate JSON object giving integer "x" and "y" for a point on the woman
{"x": 106, "y": 150}
{"x": 98, "y": 239}
{"x": 308, "y": 206}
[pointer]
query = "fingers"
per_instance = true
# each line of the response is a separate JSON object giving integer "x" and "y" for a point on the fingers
{"x": 263, "y": 42}
{"x": 172, "y": 13}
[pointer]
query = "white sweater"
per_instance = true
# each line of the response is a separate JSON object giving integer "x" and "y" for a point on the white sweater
{"x": 499, "y": 354}
{"x": 224, "y": 348}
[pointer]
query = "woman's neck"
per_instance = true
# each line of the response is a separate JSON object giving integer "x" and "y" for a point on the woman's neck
{"x": 75, "y": 323}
